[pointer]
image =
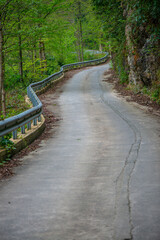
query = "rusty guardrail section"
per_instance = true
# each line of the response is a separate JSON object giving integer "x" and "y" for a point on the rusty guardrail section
{"x": 12, "y": 124}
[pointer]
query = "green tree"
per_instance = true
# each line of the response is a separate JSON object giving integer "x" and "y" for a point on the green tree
{"x": 6, "y": 11}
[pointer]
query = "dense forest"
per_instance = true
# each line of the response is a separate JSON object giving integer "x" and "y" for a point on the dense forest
{"x": 39, "y": 36}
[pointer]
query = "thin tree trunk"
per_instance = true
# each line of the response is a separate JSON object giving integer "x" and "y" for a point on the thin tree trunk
{"x": 78, "y": 48}
{"x": 77, "y": 44}
{"x": 80, "y": 31}
{"x": 42, "y": 56}
{"x": 81, "y": 40}
{"x": 100, "y": 47}
{"x": 2, "y": 92}
{"x": 3, "y": 101}
{"x": 100, "y": 42}
{"x": 32, "y": 55}
{"x": 35, "y": 57}
{"x": 20, "y": 50}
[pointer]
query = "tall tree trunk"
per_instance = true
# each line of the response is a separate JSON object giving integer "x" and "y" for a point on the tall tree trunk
{"x": 42, "y": 56}
{"x": 80, "y": 31}
{"x": 100, "y": 46}
{"x": 2, "y": 92}
{"x": 34, "y": 57}
{"x": 78, "y": 46}
{"x": 20, "y": 49}
{"x": 100, "y": 42}
{"x": 133, "y": 76}
{"x": 81, "y": 40}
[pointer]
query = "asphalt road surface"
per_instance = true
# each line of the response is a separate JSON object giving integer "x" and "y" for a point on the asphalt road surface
{"x": 96, "y": 178}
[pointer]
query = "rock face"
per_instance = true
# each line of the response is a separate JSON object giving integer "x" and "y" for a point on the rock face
{"x": 149, "y": 61}
{"x": 143, "y": 54}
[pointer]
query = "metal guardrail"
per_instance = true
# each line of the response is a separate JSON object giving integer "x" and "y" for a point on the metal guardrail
{"x": 12, "y": 124}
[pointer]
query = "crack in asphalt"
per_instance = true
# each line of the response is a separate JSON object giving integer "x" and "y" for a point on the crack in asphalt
{"x": 122, "y": 187}
{"x": 124, "y": 178}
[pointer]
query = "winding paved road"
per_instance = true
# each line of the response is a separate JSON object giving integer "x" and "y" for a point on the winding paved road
{"x": 96, "y": 178}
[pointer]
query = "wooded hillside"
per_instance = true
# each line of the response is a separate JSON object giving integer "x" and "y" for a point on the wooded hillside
{"x": 39, "y": 36}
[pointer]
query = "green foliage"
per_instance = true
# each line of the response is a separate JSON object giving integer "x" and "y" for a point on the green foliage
{"x": 15, "y": 102}
{"x": 2, "y": 117}
{"x": 155, "y": 95}
{"x": 7, "y": 144}
{"x": 145, "y": 90}
{"x": 123, "y": 76}
{"x": 144, "y": 21}
{"x": 53, "y": 23}
{"x": 92, "y": 54}
{"x": 136, "y": 89}
{"x": 120, "y": 65}
{"x": 145, "y": 11}
{"x": 113, "y": 21}
{"x": 158, "y": 75}
{"x": 152, "y": 92}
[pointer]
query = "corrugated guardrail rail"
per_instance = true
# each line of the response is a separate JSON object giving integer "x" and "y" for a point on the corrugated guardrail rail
{"x": 12, "y": 124}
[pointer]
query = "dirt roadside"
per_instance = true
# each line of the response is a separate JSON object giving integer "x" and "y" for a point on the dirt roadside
{"x": 139, "y": 99}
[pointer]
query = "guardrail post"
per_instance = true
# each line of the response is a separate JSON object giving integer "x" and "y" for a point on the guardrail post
{"x": 23, "y": 129}
{"x": 39, "y": 118}
{"x": 29, "y": 126}
{"x": 14, "y": 134}
{"x": 35, "y": 122}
